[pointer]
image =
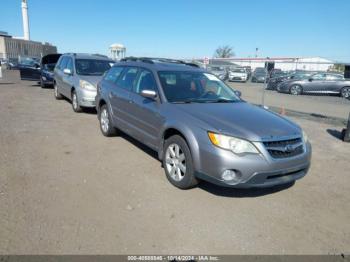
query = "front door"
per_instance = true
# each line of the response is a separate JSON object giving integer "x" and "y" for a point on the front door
{"x": 146, "y": 119}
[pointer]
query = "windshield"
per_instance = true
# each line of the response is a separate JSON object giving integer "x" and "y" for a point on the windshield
{"x": 49, "y": 67}
{"x": 91, "y": 66}
{"x": 239, "y": 70}
{"x": 198, "y": 87}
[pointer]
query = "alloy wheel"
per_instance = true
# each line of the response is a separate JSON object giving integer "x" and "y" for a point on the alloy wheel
{"x": 295, "y": 90}
{"x": 75, "y": 101}
{"x": 345, "y": 92}
{"x": 104, "y": 120}
{"x": 175, "y": 162}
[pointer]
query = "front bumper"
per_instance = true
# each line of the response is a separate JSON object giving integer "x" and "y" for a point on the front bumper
{"x": 238, "y": 78}
{"x": 255, "y": 170}
{"x": 87, "y": 98}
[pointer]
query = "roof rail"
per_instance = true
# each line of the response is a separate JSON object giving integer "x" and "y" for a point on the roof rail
{"x": 137, "y": 59}
{"x": 152, "y": 60}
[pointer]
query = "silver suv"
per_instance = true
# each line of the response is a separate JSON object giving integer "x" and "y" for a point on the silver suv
{"x": 199, "y": 126}
{"x": 76, "y": 77}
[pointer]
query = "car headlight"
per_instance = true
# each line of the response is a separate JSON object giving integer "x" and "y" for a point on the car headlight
{"x": 305, "y": 138}
{"x": 236, "y": 145}
{"x": 86, "y": 85}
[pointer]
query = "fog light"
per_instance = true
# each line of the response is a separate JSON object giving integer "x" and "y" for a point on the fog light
{"x": 230, "y": 175}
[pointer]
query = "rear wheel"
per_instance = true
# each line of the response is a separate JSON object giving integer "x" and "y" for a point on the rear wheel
{"x": 57, "y": 94}
{"x": 75, "y": 104}
{"x": 345, "y": 92}
{"x": 178, "y": 164}
{"x": 296, "y": 90}
{"x": 106, "y": 125}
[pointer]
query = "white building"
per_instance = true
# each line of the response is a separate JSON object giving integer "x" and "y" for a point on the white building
{"x": 118, "y": 51}
{"x": 284, "y": 63}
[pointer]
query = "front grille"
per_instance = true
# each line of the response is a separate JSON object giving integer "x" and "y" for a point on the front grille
{"x": 285, "y": 148}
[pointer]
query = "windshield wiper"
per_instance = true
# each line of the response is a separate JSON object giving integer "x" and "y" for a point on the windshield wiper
{"x": 221, "y": 100}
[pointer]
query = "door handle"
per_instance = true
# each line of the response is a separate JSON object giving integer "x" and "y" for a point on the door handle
{"x": 131, "y": 102}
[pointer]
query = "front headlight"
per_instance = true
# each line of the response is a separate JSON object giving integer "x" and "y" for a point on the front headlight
{"x": 305, "y": 138}
{"x": 86, "y": 85}
{"x": 236, "y": 145}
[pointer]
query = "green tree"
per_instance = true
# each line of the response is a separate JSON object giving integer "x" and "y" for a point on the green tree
{"x": 225, "y": 51}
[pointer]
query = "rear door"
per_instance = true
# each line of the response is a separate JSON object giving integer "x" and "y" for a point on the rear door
{"x": 120, "y": 98}
{"x": 145, "y": 118}
{"x": 334, "y": 82}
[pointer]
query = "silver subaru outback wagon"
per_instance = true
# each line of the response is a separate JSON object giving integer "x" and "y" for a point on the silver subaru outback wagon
{"x": 76, "y": 77}
{"x": 199, "y": 126}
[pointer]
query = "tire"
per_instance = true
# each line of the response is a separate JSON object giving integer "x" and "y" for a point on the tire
{"x": 345, "y": 92}
{"x": 75, "y": 104}
{"x": 178, "y": 164}
{"x": 42, "y": 84}
{"x": 57, "y": 94}
{"x": 106, "y": 125}
{"x": 296, "y": 90}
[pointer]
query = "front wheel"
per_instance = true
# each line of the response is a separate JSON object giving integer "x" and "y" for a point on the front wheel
{"x": 345, "y": 92}
{"x": 75, "y": 104}
{"x": 296, "y": 90}
{"x": 178, "y": 164}
{"x": 57, "y": 94}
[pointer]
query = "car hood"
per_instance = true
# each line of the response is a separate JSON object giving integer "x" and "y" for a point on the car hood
{"x": 91, "y": 79}
{"x": 241, "y": 120}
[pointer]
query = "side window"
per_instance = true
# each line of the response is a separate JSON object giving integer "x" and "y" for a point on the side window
{"x": 70, "y": 64}
{"x": 126, "y": 81}
{"x": 145, "y": 81}
{"x": 334, "y": 77}
{"x": 63, "y": 63}
{"x": 113, "y": 74}
{"x": 319, "y": 77}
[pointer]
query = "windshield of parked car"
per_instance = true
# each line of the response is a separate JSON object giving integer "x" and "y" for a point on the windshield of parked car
{"x": 238, "y": 70}
{"x": 91, "y": 66}
{"x": 49, "y": 67}
{"x": 197, "y": 87}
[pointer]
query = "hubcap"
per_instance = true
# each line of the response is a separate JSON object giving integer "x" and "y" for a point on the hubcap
{"x": 346, "y": 92}
{"x": 75, "y": 102}
{"x": 295, "y": 90}
{"x": 175, "y": 162}
{"x": 104, "y": 120}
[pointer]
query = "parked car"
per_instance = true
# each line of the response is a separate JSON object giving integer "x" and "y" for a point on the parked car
{"x": 76, "y": 77}
{"x": 295, "y": 75}
{"x": 199, "y": 127}
{"x": 43, "y": 72}
{"x": 259, "y": 75}
{"x": 238, "y": 74}
{"x": 320, "y": 83}
{"x": 218, "y": 71}
{"x": 12, "y": 64}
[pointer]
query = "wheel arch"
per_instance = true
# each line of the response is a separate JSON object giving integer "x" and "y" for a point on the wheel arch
{"x": 187, "y": 135}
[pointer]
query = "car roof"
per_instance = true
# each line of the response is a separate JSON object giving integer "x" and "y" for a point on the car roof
{"x": 88, "y": 56}
{"x": 160, "y": 64}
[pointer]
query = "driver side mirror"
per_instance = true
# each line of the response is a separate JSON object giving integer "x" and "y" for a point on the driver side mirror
{"x": 151, "y": 94}
{"x": 67, "y": 71}
{"x": 238, "y": 93}
{"x": 310, "y": 79}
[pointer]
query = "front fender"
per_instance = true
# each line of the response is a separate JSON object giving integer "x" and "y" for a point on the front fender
{"x": 191, "y": 135}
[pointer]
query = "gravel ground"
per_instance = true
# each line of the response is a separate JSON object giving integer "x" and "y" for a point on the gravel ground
{"x": 66, "y": 189}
